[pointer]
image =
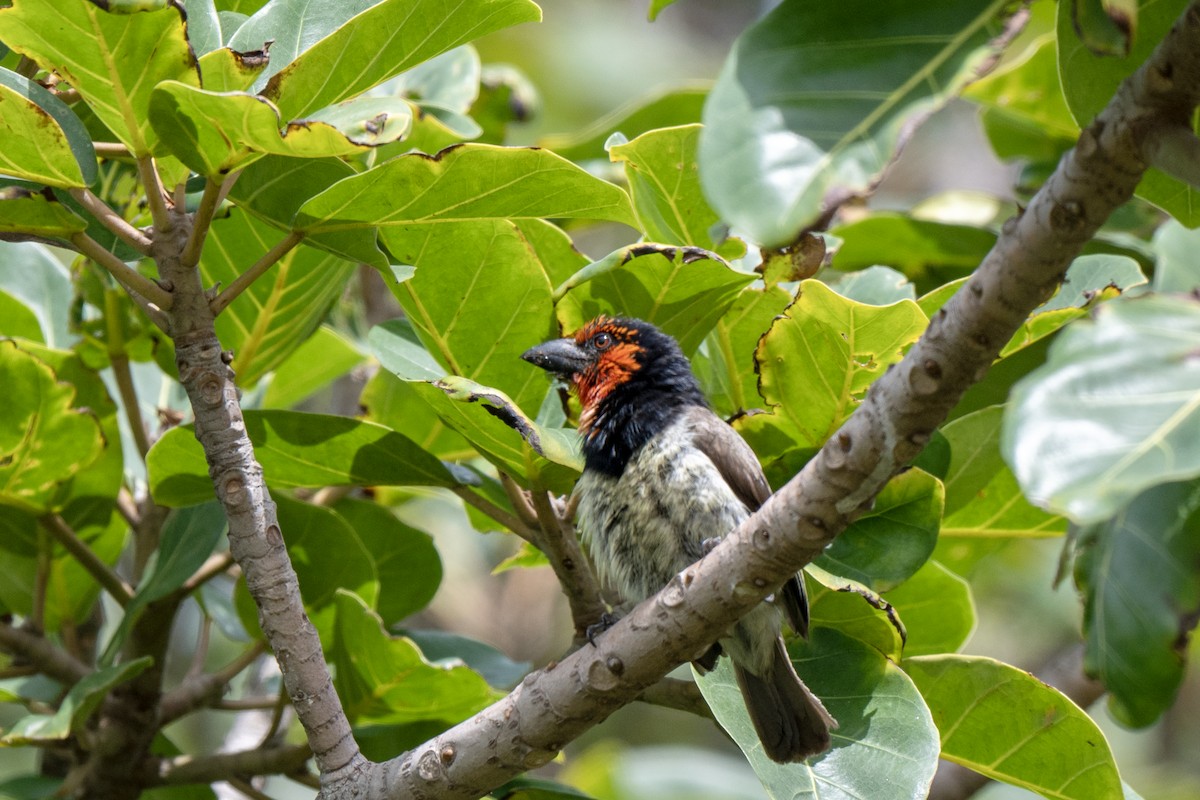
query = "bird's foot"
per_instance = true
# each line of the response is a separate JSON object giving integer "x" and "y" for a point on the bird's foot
{"x": 607, "y": 620}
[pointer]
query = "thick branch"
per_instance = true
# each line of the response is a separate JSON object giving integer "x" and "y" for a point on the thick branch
{"x": 255, "y": 539}
{"x": 901, "y": 411}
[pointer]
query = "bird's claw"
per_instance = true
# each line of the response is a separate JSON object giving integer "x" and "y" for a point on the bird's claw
{"x": 708, "y": 545}
{"x": 607, "y": 620}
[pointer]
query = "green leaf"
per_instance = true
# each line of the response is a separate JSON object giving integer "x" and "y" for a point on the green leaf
{"x": 479, "y": 298}
{"x": 19, "y": 320}
{"x": 35, "y": 214}
{"x": 44, "y": 437}
{"x": 203, "y": 26}
{"x": 44, "y": 140}
{"x": 226, "y": 70}
{"x": 386, "y": 680}
{"x": 937, "y": 610}
{"x": 681, "y": 291}
{"x": 1176, "y": 267}
{"x": 1089, "y": 82}
{"x": 875, "y": 286}
{"x": 1025, "y": 115}
{"x": 663, "y": 109}
{"x": 485, "y": 417}
{"x": 1115, "y": 409}
{"x": 1142, "y": 597}
{"x": 841, "y": 603}
{"x": 395, "y": 403}
{"x": 297, "y": 449}
{"x": 113, "y": 59}
{"x": 274, "y": 187}
{"x": 77, "y": 707}
{"x": 929, "y": 253}
{"x": 188, "y": 539}
{"x": 329, "y": 558}
{"x": 468, "y": 182}
{"x": 526, "y": 556}
{"x": 1090, "y": 280}
{"x": 886, "y": 546}
{"x": 215, "y": 132}
{"x": 819, "y": 357}
{"x": 30, "y": 787}
{"x": 1008, "y": 725}
{"x": 380, "y": 42}
{"x": 664, "y": 180}
{"x": 277, "y": 313}
{"x": 725, "y": 365}
{"x": 406, "y": 562}
{"x": 444, "y": 649}
{"x": 320, "y": 359}
{"x": 885, "y": 746}
{"x": 982, "y": 495}
{"x": 1106, "y": 27}
{"x": 817, "y": 97}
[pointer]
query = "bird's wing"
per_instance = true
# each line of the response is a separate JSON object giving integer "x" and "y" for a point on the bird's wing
{"x": 738, "y": 465}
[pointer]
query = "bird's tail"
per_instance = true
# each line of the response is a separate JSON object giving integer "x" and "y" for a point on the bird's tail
{"x": 791, "y": 722}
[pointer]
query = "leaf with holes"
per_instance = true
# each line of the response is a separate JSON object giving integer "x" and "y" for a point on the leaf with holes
{"x": 114, "y": 60}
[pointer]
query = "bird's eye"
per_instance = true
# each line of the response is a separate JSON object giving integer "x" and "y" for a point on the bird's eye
{"x": 601, "y": 341}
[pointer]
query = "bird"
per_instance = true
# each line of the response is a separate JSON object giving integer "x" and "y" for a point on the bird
{"x": 664, "y": 479}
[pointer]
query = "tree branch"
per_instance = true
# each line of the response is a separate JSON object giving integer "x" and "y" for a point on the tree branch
{"x": 214, "y": 191}
{"x": 49, "y": 659}
{"x": 243, "y": 281}
{"x": 678, "y": 694}
{"x": 902, "y": 409}
{"x": 282, "y": 760}
{"x": 155, "y": 196}
{"x": 1175, "y": 150}
{"x": 572, "y": 568}
{"x": 205, "y": 689}
{"x": 112, "y": 220}
{"x": 255, "y": 538}
{"x": 112, "y": 583}
{"x": 497, "y": 513}
{"x": 137, "y": 284}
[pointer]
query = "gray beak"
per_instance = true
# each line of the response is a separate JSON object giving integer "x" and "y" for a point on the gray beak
{"x": 561, "y": 356}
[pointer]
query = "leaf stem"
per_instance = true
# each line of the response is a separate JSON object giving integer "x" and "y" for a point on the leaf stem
{"x": 112, "y": 150}
{"x": 573, "y": 570}
{"x": 110, "y": 219}
{"x": 124, "y": 378}
{"x": 155, "y": 197}
{"x": 510, "y": 521}
{"x": 243, "y": 281}
{"x": 209, "y": 202}
{"x": 135, "y": 282}
{"x": 104, "y": 575}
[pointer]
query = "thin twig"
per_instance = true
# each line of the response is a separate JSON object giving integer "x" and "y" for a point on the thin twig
{"x": 200, "y": 654}
{"x": 39, "y": 651}
{"x": 281, "y": 704}
{"x": 127, "y": 507}
{"x": 519, "y": 499}
{"x": 205, "y": 689}
{"x": 201, "y": 222}
{"x": 248, "y": 704}
{"x": 497, "y": 513}
{"x": 277, "y": 760}
{"x": 678, "y": 694}
{"x": 570, "y": 566}
{"x": 155, "y": 197}
{"x": 248, "y": 277}
{"x": 113, "y": 221}
{"x": 112, "y": 150}
{"x": 214, "y": 565}
{"x": 247, "y": 788}
{"x": 135, "y": 282}
{"x": 41, "y": 580}
{"x": 111, "y": 581}
{"x": 121, "y": 374}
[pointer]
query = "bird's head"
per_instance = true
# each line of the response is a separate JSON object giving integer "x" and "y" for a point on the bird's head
{"x": 627, "y": 361}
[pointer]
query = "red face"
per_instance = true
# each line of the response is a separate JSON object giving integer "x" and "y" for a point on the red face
{"x": 614, "y": 348}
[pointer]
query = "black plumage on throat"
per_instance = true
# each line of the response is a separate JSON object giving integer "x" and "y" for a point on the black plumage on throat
{"x": 640, "y": 408}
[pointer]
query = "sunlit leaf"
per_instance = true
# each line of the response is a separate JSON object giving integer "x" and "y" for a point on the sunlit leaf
{"x": 43, "y": 139}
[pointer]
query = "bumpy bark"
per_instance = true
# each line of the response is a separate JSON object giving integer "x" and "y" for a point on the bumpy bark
{"x": 902, "y": 409}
